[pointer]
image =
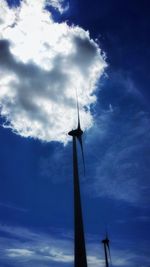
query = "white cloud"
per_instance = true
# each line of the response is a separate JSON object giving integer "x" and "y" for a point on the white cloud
{"x": 42, "y": 63}
{"x": 17, "y": 252}
{"x": 58, "y": 4}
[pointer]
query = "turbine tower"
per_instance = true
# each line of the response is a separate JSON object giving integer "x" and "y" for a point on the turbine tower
{"x": 80, "y": 259}
{"x": 107, "y": 251}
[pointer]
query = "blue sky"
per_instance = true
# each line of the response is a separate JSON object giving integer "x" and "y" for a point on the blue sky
{"x": 36, "y": 203}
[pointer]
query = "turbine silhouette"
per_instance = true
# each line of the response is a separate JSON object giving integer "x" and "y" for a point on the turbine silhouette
{"x": 80, "y": 259}
{"x": 107, "y": 250}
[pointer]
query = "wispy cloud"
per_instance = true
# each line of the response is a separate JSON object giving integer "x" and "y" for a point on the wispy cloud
{"x": 24, "y": 246}
{"x": 36, "y": 248}
{"x": 14, "y": 253}
{"x": 12, "y": 207}
{"x": 122, "y": 165}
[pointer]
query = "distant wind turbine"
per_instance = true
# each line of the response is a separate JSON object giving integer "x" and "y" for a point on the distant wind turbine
{"x": 80, "y": 259}
{"x": 107, "y": 250}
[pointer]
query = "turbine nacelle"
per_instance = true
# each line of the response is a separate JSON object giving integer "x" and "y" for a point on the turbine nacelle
{"x": 76, "y": 133}
{"x": 105, "y": 241}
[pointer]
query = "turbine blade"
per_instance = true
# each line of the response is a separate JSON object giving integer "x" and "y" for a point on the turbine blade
{"x": 79, "y": 126}
{"x": 81, "y": 145}
{"x": 106, "y": 256}
{"x": 108, "y": 248}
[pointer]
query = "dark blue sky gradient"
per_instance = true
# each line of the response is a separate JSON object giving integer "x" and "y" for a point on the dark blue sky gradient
{"x": 36, "y": 178}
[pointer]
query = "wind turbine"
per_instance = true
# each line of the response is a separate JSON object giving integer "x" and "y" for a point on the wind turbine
{"x": 80, "y": 259}
{"x": 107, "y": 250}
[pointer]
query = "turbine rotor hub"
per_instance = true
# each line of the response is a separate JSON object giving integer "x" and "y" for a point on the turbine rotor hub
{"x": 76, "y": 133}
